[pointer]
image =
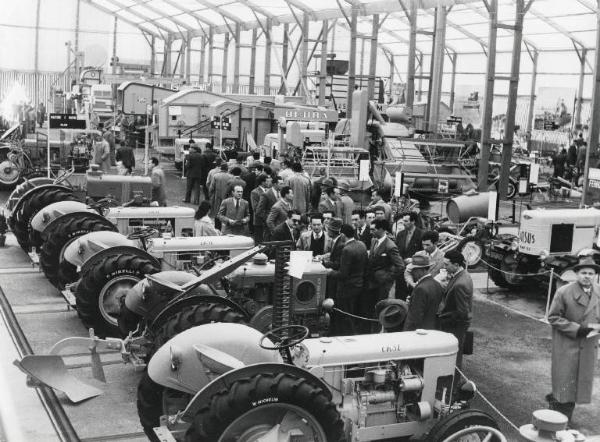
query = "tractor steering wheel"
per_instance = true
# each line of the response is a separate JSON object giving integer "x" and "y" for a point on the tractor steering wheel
{"x": 143, "y": 233}
{"x": 103, "y": 205}
{"x": 284, "y": 337}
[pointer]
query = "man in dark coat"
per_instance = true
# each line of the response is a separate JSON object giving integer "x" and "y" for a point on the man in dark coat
{"x": 362, "y": 230}
{"x": 279, "y": 210}
{"x": 574, "y": 314}
{"x": 266, "y": 202}
{"x": 332, "y": 259}
{"x": 288, "y": 230}
{"x": 383, "y": 268}
{"x": 193, "y": 172}
{"x": 456, "y": 309}
{"x": 426, "y": 295}
{"x": 350, "y": 281}
{"x": 236, "y": 180}
{"x": 126, "y": 156}
{"x": 264, "y": 183}
{"x": 408, "y": 242}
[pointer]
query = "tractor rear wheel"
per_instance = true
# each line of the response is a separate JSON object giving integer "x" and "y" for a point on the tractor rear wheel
{"x": 150, "y": 404}
{"x": 35, "y": 202}
{"x": 64, "y": 231}
{"x": 103, "y": 286}
{"x": 457, "y": 421}
{"x": 191, "y": 316}
{"x": 252, "y": 407}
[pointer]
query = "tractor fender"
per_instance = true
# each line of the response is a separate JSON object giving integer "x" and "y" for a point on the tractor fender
{"x": 173, "y": 307}
{"x": 48, "y": 214}
{"x": 57, "y": 223}
{"x": 36, "y": 189}
{"x": 146, "y": 297}
{"x": 224, "y": 382}
{"x": 178, "y": 364}
{"x": 86, "y": 246}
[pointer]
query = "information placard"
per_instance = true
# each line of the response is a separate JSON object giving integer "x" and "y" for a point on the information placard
{"x": 65, "y": 121}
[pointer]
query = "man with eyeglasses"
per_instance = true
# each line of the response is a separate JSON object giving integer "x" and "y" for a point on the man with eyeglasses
{"x": 288, "y": 230}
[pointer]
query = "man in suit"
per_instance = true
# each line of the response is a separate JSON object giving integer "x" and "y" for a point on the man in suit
{"x": 280, "y": 209}
{"x": 377, "y": 200}
{"x": 266, "y": 202}
{"x": 315, "y": 240}
{"x": 234, "y": 213}
{"x": 426, "y": 295}
{"x": 383, "y": 268}
{"x": 362, "y": 231}
{"x": 456, "y": 309}
{"x": 218, "y": 188}
{"x": 288, "y": 230}
{"x": 350, "y": 280}
{"x": 408, "y": 242}
{"x": 330, "y": 202}
{"x": 264, "y": 184}
{"x": 301, "y": 186}
{"x": 331, "y": 260}
{"x": 193, "y": 173}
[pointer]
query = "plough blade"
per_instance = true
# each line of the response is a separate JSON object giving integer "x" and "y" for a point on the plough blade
{"x": 51, "y": 371}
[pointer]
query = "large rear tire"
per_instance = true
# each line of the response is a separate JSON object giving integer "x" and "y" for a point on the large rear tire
{"x": 224, "y": 413}
{"x": 192, "y": 316}
{"x": 62, "y": 232}
{"x": 103, "y": 286}
{"x": 150, "y": 404}
{"x": 36, "y": 201}
{"x": 455, "y": 422}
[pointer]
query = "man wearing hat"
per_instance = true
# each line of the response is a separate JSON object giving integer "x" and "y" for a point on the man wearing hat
{"x": 574, "y": 315}
{"x": 426, "y": 295}
{"x": 332, "y": 260}
{"x": 391, "y": 314}
{"x": 456, "y": 309}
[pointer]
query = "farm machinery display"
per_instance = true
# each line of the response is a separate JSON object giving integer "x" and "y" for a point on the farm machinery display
{"x": 226, "y": 381}
{"x": 548, "y": 242}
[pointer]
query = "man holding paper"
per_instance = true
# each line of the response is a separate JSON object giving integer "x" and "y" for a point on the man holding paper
{"x": 575, "y": 320}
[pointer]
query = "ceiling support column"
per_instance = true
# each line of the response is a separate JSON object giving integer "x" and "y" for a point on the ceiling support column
{"x": 323, "y": 69}
{"x": 225, "y": 62}
{"x": 534, "y": 61}
{"x": 236, "y": 61}
{"x": 412, "y": 53}
{"x": 211, "y": 53}
{"x": 252, "y": 79}
{"x": 373, "y": 58}
{"x": 582, "y": 59}
{"x": 438, "y": 69}
{"x": 202, "y": 61}
{"x": 352, "y": 58}
{"x": 268, "y": 44}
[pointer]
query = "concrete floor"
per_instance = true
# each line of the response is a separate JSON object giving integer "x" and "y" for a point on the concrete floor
{"x": 511, "y": 364}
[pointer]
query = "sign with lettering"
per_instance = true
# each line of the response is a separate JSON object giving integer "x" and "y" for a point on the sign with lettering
{"x": 324, "y": 115}
{"x": 65, "y": 121}
{"x": 593, "y": 188}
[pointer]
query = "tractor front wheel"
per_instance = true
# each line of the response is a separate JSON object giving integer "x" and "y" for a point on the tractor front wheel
{"x": 103, "y": 286}
{"x": 471, "y": 249}
{"x": 21, "y": 220}
{"x": 74, "y": 225}
{"x": 254, "y": 409}
{"x": 449, "y": 427}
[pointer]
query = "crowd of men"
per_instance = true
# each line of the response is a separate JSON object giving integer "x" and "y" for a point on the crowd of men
{"x": 378, "y": 259}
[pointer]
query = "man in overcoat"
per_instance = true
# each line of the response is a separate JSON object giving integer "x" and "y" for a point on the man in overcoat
{"x": 575, "y": 318}
{"x": 426, "y": 295}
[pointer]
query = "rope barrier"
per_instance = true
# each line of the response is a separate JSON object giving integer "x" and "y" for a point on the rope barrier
{"x": 545, "y": 272}
{"x": 354, "y": 316}
{"x": 488, "y": 402}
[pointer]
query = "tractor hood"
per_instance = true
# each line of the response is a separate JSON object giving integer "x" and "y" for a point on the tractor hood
{"x": 150, "y": 212}
{"x": 44, "y": 217}
{"x": 199, "y": 243}
{"x": 86, "y": 246}
{"x": 360, "y": 349}
{"x": 191, "y": 359}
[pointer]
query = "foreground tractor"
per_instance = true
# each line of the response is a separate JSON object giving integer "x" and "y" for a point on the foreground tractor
{"x": 226, "y": 382}
{"x": 549, "y": 242}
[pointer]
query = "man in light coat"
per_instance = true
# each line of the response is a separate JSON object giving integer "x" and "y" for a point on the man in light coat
{"x": 346, "y": 201}
{"x": 279, "y": 211}
{"x": 301, "y": 186}
{"x": 219, "y": 185}
{"x": 574, "y": 315}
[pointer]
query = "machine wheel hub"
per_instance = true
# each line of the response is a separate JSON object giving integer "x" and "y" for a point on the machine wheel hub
{"x": 111, "y": 296}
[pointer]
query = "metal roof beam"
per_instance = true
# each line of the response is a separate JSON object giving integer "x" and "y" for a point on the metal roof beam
{"x": 151, "y": 8}
{"x": 556, "y": 26}
{"x": 198, "y": 17}
{"x": 223, "y": 13}
{"x": 255, "y": 8}
{"x": 463, "y": 31}
{"x": 147, "y": 19}
{"x": 124, "y": 20}
{"x": 588, "y": 5}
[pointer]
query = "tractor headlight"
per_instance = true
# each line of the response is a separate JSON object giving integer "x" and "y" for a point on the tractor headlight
{"x": 467, "y": 391}
{"x": 514, "y": 246}
{"x": 544, "y": 255}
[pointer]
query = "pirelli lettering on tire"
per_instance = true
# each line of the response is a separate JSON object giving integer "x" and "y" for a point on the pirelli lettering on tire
{"x": 121, "y": 272}
{"x": 267, "y": 400}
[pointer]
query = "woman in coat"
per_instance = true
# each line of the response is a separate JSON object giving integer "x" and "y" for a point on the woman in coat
{"x": 203, "y": 225}
{"x": 574, "y": 314}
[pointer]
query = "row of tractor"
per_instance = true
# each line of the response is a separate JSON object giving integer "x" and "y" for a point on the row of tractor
{"x": 193, "y": 311}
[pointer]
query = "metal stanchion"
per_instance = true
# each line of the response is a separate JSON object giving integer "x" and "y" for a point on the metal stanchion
{"x": 549, "y": 293}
